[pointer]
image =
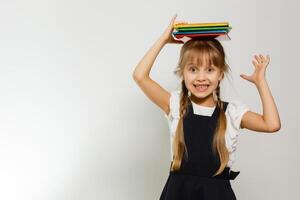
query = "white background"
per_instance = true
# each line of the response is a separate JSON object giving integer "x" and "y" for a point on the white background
{"x": 75, "y": 126}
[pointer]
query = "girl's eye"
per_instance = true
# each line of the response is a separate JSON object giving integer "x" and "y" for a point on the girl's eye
{"x": 210, "y": 69}
{"x": 193, "y": 69}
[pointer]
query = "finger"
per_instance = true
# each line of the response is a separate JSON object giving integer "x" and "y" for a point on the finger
{"x": 255, "y": 63}
{"x": 257, "y": 58}
{"x": 261, "y": 57}
{"x": 268, "y": 58}
{"x": 265, "y": 59}
{"x": 173, "y": 18}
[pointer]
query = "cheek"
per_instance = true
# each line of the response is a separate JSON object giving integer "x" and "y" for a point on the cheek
{"x": 190, "y": 76}
{"x": 188, "y": 84}
{"x": 215, "y": 84}
{"x": 188, "y": 80}
{"x": 186, "y": 77}
{"x": 214, "y": 78}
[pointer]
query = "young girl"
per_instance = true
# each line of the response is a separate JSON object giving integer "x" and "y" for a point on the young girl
{"x": 204, "y": 128}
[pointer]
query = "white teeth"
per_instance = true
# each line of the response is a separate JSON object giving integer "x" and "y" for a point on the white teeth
{"x": 201, "y": 87}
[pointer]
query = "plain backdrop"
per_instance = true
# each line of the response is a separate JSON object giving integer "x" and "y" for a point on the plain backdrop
{"x": 75, "y": 126}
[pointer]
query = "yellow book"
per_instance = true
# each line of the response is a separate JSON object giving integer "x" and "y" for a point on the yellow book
{"x": 215, "y": 24}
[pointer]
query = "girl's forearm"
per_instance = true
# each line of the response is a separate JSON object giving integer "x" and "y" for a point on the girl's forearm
{"x": 143, "y": 68}
{"x": 270, "y": 112}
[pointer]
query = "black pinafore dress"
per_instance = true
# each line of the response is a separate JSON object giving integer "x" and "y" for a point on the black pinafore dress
{"x": 195, "y": 180}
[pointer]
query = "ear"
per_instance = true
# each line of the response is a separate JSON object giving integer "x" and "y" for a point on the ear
{"x": 221, "y": 76}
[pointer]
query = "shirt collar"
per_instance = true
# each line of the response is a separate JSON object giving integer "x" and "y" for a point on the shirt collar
{"x": 203, "y": 110}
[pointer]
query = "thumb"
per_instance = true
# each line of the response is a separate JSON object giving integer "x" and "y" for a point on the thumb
{"x": 244, "y": 76}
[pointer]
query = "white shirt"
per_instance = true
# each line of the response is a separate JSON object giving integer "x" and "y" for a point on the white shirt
{"x": 233, "y": 113}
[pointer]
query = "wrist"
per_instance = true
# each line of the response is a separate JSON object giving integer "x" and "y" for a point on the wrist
{"x": 261, "y": 82}
{"x": 162, "y": 40}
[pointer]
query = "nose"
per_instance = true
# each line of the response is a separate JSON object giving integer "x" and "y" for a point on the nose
{"x": 201, "y": 76}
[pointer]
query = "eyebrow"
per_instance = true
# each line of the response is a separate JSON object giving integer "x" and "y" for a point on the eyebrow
{"x": 195, "y": 65}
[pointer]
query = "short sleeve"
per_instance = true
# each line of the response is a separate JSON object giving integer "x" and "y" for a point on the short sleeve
{"x": 174, "y": 106}
{"x": 173, "y": 117}
{"x": 236, "y": 110}
{"x": 234, "y": 114}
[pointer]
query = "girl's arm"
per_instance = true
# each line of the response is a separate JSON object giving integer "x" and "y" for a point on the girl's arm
{"x": 153, "y": 90}
{"x": 269, "y": 121}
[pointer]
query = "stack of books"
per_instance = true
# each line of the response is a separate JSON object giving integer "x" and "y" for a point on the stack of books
{"x": 186, "y": 31}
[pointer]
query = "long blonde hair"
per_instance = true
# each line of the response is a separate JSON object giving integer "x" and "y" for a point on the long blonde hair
{"x": 212, "y": 50}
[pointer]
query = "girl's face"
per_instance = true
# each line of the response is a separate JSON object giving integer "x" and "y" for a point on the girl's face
{"x": 201, "y": 81}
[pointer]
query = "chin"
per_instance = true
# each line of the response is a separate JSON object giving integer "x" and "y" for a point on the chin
{"x": 201, "y": 95}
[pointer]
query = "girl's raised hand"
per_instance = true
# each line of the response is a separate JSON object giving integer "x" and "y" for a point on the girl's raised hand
{"x": 260, "y": 63}
{"x": 167, "y": 35}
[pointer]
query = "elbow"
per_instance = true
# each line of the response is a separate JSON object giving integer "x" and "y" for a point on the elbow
{"x": 274, "y": 128}
{"x": 135, "y": 77}
{"x": 138, "y": 78}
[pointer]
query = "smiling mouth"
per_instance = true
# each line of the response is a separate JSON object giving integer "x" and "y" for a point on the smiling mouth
{"x": 201, "y": 88}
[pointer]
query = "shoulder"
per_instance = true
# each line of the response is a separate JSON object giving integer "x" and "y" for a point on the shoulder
{"x": 174, "y": 105}
{"x": 235, "y": 111}
{"x": 175, "y": 94}
{"x": 236, "y": 105}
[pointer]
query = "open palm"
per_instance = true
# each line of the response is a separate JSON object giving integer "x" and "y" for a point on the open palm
{"x": 260, "y": 64}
